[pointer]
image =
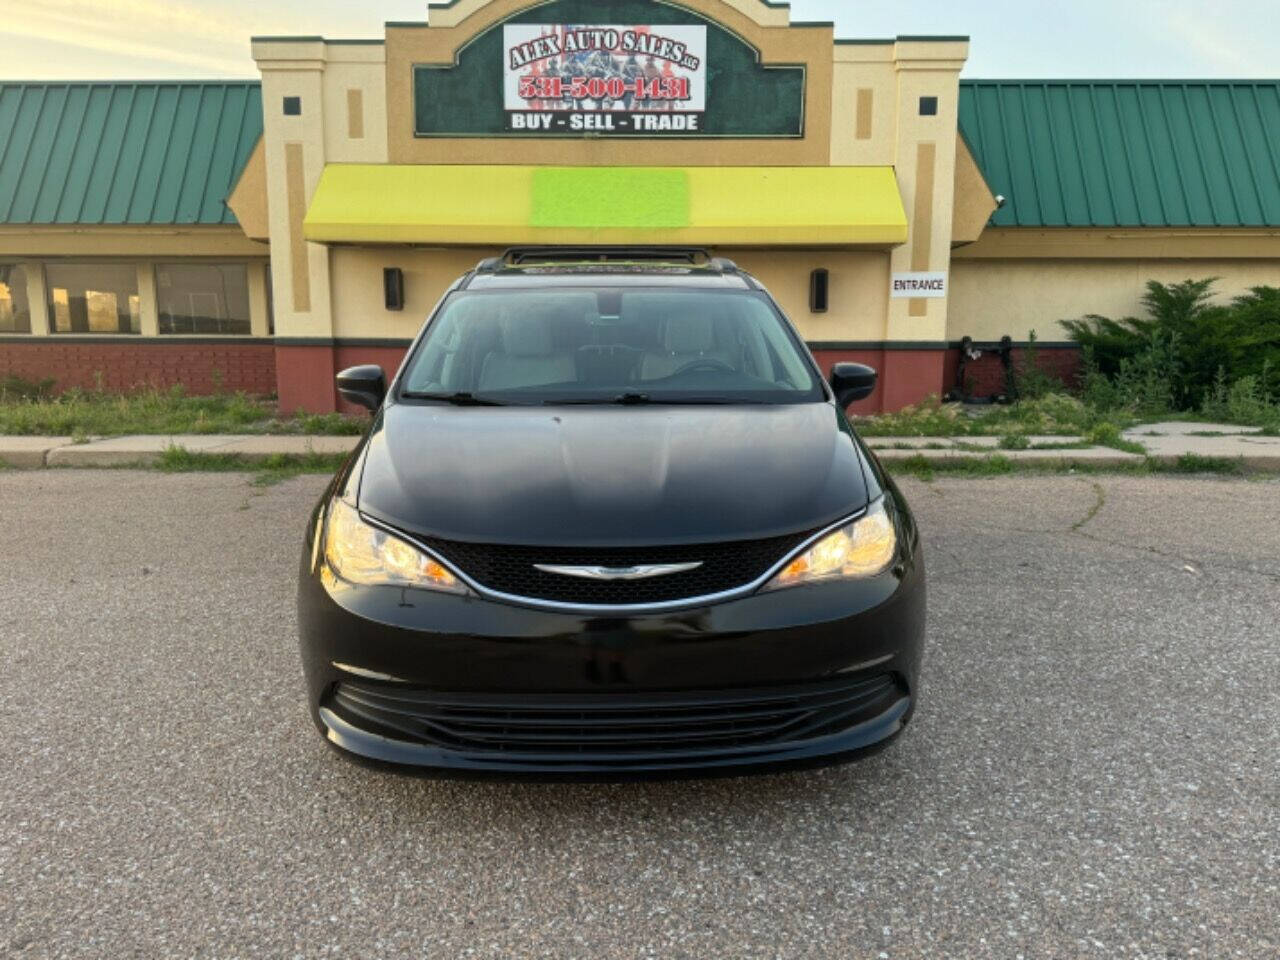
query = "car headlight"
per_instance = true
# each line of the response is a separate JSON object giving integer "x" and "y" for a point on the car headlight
{"x": 861, "y": 548}
{"x": 360, "y": 553}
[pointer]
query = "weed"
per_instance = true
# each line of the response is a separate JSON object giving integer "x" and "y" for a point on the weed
{"x": 926, "y": 469}
{"x": 1195, "y": 463}
{"x": 14, "y": 388}
{"x": 1030, "y": 382}
{"x": 150, "y": 410}
{"x": 1100, "y": 498}
{"x": 268, "y": 472}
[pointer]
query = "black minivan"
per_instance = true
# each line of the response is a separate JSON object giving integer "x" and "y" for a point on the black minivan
{"x": 610, "y": 521}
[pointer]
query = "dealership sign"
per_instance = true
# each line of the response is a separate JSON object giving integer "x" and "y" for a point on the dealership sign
{"x": 604, "y": 79}
{"x": 925, "y": 285}
{"x": 638, "y": 69}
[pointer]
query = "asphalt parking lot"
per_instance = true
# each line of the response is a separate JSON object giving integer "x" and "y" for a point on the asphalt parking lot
{"x": 1092, "y": 773}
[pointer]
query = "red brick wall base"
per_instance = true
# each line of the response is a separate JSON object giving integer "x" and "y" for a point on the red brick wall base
{"x": 201, "y": 366}
{"x": 985, "y": 376}
{"x": 905, "y": 376}
{"x": 301, "y": 375}
{"x": 304, "y": 376}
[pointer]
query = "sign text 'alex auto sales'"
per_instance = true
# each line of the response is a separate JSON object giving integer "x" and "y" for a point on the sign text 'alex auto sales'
{"x": 619, "y": 80}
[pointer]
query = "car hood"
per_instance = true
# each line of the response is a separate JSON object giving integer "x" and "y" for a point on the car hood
{"x": 612, "y": 475}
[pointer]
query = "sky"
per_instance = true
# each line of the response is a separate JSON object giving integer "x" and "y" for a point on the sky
{"x": 136, "y": 39}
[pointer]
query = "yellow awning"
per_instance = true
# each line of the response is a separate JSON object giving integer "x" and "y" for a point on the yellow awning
{"x": 705, "y": 206}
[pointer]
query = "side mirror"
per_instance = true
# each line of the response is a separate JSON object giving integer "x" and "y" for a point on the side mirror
{"x": 852, "y": 381}
{"x": 364, "y": 385}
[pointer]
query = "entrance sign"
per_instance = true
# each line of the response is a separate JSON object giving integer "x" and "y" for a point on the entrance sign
{"x": 928, "y": 286}
{"x": 604, "y": 79}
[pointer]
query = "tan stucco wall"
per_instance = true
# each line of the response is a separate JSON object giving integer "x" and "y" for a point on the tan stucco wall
{"x": 358, "y": 306}
{"x": 859, "y": 288}
{"x": 1124, "y": 243}
{"x": 859, "y": 282}
{"x": 863, "y": 75}
{"x": 990, "y": 298}
{"x": 974, "y": 203}
{"x": 363, "y": 69}
{"x": 925, "y": 70}
{"x": 248, "y": 200}
{"x": 297, "y": 148}
{"x": 98, "y": 241}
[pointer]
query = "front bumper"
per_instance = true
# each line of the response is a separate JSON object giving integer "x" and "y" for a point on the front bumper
{"x": 468, "y": 686}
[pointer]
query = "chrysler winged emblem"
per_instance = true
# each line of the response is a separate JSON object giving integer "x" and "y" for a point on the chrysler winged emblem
{"x": 619, "y": 573}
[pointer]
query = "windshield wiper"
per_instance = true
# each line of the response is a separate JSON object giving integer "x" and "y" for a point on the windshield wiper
{"x": 460, "y": 399}
{"x": 636, "y": 399}
{"x": 622, "y": 398}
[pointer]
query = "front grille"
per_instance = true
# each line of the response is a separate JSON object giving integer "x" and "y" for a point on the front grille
{"x": 510, "y": 569}
{"x": 615, "y": 727}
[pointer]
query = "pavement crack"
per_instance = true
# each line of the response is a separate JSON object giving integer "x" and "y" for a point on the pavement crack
{"x": 1101, "y": 498}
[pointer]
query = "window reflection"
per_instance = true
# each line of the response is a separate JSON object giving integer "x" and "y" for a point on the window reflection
{"x": 94, "y": 298}
{"x": 15, "y": 310}
{"x": 205, "y": 298}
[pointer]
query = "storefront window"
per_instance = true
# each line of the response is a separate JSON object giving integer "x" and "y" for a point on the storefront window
{"x": 93, "y": 298}
{"x": 15, "y": 310}
{"x": 209, "y": 298}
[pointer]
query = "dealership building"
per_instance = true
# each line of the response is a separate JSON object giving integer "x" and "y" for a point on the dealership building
{"x": 262, "y": 235}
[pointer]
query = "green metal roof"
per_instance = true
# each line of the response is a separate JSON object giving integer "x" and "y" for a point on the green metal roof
{"x": 124, "y": 153}
{"x": 1127, "y": 153}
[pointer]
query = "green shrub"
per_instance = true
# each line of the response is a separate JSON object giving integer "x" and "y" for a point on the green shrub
{"x": 928, "y": 418}
{"x": 1194, "y": 339}
{"x": 1014, "y": 441}
{"x": 1245, "y": 401}
{"x": 1147, "y": 382}
{"x": 16, "y": 388}
{"x": 1105, "y": 434}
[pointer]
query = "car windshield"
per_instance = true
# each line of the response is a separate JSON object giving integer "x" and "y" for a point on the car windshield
{"x": 610, "y": 345}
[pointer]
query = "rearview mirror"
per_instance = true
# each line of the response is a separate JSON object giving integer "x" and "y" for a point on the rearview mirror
{"x": 852, "y": 381}
{"x": 365, "y": 385}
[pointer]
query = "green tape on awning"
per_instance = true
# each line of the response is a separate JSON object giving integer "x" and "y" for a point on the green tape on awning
{"x": 600, "y": 197}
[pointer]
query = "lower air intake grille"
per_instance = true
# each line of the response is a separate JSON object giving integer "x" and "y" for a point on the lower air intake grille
{"x": 511, "y": 570}
{"x": 615, "y": 727}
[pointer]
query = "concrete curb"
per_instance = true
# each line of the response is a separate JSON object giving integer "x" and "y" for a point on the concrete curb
{"x": 1085, "y": 457}
{"x": 1255, "y": 454}
{"x": 37, "y": 452}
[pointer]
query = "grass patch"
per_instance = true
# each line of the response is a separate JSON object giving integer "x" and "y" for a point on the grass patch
{"x": 925, "y": 469}
{"x": 83, "y": 414}
{"x": 1195, "y": 463}
{"x": 280, "y": 467}
{"x": 1107, "y": 434}
{"x": 1055, "y": 414}
{"x": 1064, "y": 445}
{"x": 267, "y": 473}
{"x": 177, "y": 459}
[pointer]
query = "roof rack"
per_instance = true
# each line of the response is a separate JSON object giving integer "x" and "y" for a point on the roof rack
{"x": 568, "y": 255}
